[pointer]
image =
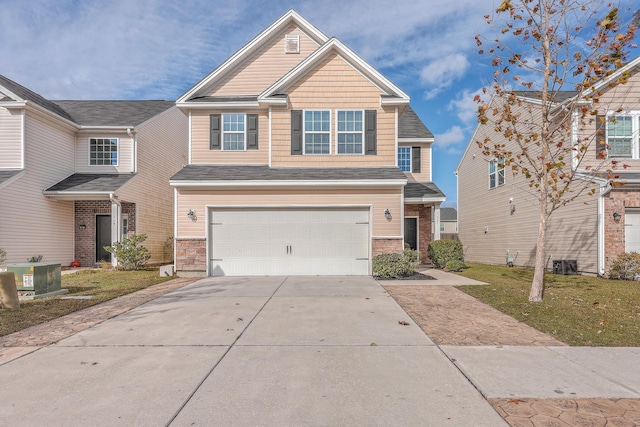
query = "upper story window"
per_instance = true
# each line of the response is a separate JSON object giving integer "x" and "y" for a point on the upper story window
{"x": 404, "y": 158}
{"x": 233, "y": 132}
{"x": 317, "y": 132}
{"x": 350, "y": 132}
{"x": 103, "y": 151}
{"x": 622, "y": 136}
{"x": 496, "y": 173}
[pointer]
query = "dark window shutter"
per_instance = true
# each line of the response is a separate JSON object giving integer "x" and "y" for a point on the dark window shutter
{"x": 415, "y": 159}
{"x": 252, "y": 131}
{"x": 371, "y": 132}
{"x": 214, "y": 141}
{"x": 296, "y": 132}
{"x": 601, "y": 137}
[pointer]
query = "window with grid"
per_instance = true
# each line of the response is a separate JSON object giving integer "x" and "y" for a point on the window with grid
{"x": 317, "y": 132}
{"x": 350, "y": 132}
{"x": 404, "y": 158}
{"x": 620, "y": 136}
{"x": 496, "y": 173}
{"x": 103, "y": 151}
{"x": 233, "y": 132}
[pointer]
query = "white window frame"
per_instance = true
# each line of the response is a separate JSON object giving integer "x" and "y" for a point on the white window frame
{"x": 223, "y": 132}
{"x": 304, "y": 132}
{"x": 410, "y": 158}
{"x": 361, "y": 132}
{"x": 125, "y": 225}
{"x": 117, "y": 140}
{"x": 635, "y": 132}
{"x": 499, "y": 166}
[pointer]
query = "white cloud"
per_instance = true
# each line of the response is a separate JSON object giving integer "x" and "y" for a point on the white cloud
{"x": 450, "y": 139}
{"x": 465, "y": 107}
{"x": 442, "y": 72}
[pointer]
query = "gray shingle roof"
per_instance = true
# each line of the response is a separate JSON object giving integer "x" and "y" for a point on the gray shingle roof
{"x": 247, "y": 98}
{"x": 89, "y": 183}
{"x": 560, "y": 96}
{"x": 8, "y": 174}
{"x": 113, "y": 113}
{"x": 448, "y": 214}
{"x": 420, "y": 190}
{"x": 410, "y": 125}
{"x": 31, "y": 96}
{"x": 265, "y": 173}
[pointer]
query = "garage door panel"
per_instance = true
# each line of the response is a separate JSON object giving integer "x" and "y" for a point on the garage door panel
{"x": 289, "y": 242}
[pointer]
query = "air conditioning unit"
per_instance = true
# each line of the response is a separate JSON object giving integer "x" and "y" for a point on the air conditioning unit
{"x": 565, "y": 266}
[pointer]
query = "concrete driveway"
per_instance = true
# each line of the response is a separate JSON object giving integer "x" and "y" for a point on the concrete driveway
{"x": 247, "y": 351}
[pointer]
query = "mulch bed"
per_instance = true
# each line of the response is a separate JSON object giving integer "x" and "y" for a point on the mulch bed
{"x": 414, "y": 276}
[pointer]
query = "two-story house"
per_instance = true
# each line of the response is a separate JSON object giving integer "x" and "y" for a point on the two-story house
{"x": 303, "y": 159}
{"x": 76, "y": 176}
{"x": 498, "y": 211}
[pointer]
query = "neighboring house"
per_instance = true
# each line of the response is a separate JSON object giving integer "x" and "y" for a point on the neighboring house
{"x": 498, "y": 212}
{"x": 448, "y": 221}
{"x": 76, "y": 176}
{"x": 303, "y": 159}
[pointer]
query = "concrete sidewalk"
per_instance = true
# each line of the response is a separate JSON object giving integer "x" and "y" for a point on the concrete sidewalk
{"x": 247, "y": 351}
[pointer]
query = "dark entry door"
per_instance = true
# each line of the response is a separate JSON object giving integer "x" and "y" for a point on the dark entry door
{"x": 103, "y": 237}
{"x": 411, "y": 232}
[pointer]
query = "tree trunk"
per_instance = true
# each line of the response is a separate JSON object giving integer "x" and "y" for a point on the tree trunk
{"x": 537, "y": 286}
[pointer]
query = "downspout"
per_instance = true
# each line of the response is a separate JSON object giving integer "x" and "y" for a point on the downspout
{"x": 605, "y": 188}
{"x": 436, "y": 222}
{"x": 116, "y": 224}
{"x": 134, "y": 143}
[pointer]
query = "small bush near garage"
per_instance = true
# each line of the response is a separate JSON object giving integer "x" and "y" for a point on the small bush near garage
{"x": 393, "y": 266}
{"x": 454, "y": 265}
{"x": 131, "y": 255}
{"x": 626, "y": 266}
{"x": 444, "y": 251}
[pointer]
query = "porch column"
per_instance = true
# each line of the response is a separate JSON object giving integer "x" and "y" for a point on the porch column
{"x": 436, "y": 222}
{"x": 116, "y": 225}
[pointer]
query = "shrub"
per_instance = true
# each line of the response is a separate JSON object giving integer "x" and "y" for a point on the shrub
{"x": 443, "y": 251}
{"x": 393, "y": 266}
{"x": 454, "y": 265}
{"x": 626, "y": 266}
{"x": 3, "y": 255}
{"x": 129, "y": 253}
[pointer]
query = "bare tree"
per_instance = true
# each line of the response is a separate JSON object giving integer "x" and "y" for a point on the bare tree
{"x": 556, "y": 51}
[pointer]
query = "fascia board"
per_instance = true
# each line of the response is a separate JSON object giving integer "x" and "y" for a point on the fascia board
{"x": 209, "y": 105}
{"x": 13, "y": 104}
{"x": 367, "y": 70}
{"x": 287, "y": 183}
{"x": 414, "y": 200}
{"x": 394, "y": 101}
{"x": 49, "y": 113}
{"x": 416, "y": 140}
{"x": 247, "y": 49}
{"x": 11, "y": 94}
{"x": 78, "y": 195}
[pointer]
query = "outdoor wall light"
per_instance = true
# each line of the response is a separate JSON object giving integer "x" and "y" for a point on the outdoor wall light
{"x": 387, "y": 213}
{"x": 512, "y": 208}
{"x": 82, "y": 227}
{"x": 191, "y": 214}
{"x": 616, "y": 216}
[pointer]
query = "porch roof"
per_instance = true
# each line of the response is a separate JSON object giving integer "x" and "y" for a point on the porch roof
{"x": 6, "y": 175}
{"x": 80, "y": 185}
{"x": 422, "y": 192}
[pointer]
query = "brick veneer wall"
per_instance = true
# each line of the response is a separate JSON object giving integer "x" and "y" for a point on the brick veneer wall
{"x": 386, "y": 246}
{"x": 191, "y": 257}
{"x": 424, "y": 227}
{"x": 85, "y": 213}
{"x": 614, "y": 238}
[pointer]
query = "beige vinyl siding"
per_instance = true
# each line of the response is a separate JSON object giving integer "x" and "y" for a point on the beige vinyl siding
{"x": 266, "y": 66}
{"x": 381, "y": 199}
{"x": 333, "y": 85}
{"x": 200, "y": 139}
{"x": 162, "y": 151}
{"x": 31, "y": 223}
{"x": 10, "y": 138}
{"x": 624, "y": 97}
{"x": 572, "y": 230}
{"x": 125, "y": 152}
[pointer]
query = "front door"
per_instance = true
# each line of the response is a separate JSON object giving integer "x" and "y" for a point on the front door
{"x": 103, "y": 237}
{"x": 411, "y": 232}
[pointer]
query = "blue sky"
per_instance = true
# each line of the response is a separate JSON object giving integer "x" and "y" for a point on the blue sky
{"x": 158, "y": 49}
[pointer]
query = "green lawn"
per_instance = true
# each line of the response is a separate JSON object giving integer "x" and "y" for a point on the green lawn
{"x": 101, "y": 285}
{"x": 578, "y": 310}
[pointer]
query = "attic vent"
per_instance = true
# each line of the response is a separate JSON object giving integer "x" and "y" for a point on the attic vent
{"x": 291, "y": 44}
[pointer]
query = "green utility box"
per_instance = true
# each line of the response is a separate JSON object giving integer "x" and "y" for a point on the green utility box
{"x": 35, "y": 278}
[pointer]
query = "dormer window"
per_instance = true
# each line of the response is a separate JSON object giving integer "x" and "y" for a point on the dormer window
{"x": 103, "y": 151}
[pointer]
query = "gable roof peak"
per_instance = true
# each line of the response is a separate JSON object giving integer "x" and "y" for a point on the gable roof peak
{"x": 291, "y": 16}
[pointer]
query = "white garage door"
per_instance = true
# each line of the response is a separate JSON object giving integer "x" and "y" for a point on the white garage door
{"x": 289, "y": 242}
{"x": 632, "y": 231}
